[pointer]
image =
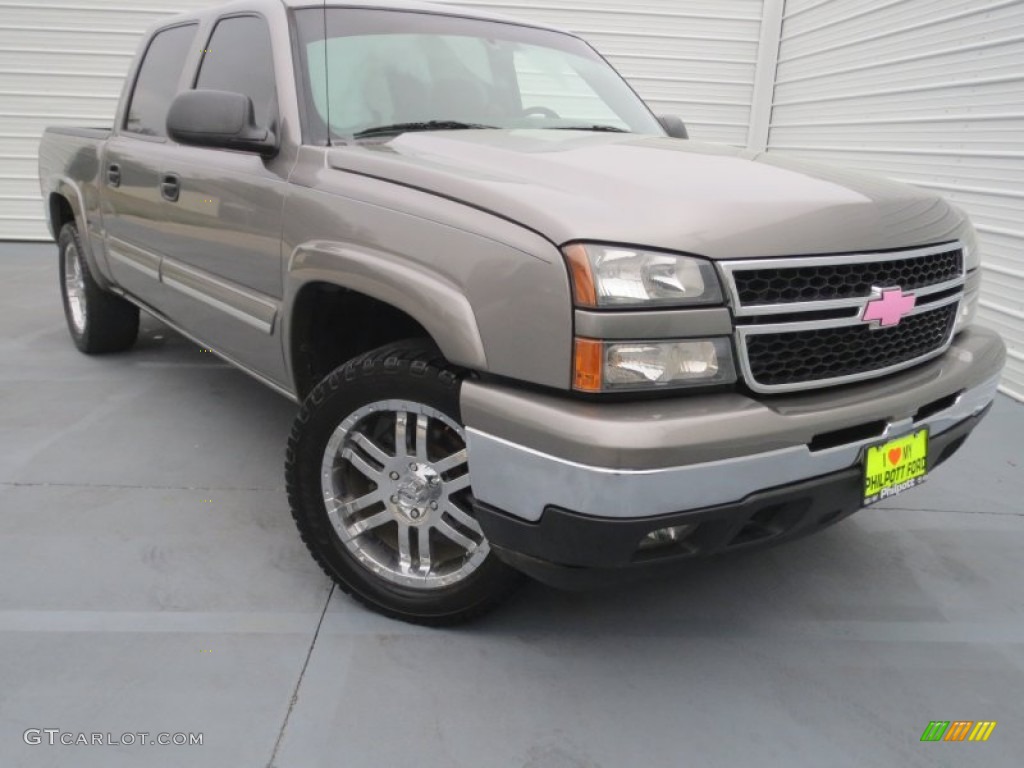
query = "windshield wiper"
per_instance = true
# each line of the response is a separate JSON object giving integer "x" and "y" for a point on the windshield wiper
{"x": 598, "y": 128}
{"x": 431, "y": 125}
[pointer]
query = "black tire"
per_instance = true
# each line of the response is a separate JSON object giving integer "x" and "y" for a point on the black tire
{"x": 408, "y": 372}
{"x": 99, "y": 321}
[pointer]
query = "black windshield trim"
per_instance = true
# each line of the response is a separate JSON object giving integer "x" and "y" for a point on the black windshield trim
{"x": 430, "y": 125}
{"x": 593, "y": 128}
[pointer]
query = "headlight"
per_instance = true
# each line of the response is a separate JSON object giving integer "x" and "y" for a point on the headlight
{"x": 610, "y": 277}
{"x": 972, "y": 291}
{"x": 615, "y": 366}
{"x": 968, "y": 306}
{"x": 972, "y": 253}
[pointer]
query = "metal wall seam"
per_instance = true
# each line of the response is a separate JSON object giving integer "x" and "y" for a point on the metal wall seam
{"x": 769, "y": 45}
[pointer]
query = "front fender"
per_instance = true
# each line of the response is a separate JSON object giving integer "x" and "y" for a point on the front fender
{"x": 428, "y": 298}
{"x": 494, "y": 296}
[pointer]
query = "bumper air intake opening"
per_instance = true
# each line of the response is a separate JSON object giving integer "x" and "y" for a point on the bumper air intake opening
{"x": 848, "y": 435}
{"x": 767, "y": 523}
{"x": 936, "y": 406}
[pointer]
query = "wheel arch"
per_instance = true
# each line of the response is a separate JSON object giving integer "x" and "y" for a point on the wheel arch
{"x": 330, "y": 286}
{"x": 59, "y": 213}
{"x": 64, "y": 205}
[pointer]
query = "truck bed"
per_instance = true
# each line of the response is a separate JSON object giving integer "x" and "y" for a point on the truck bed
{"x": 69, "y": 159}
{"x": 98, "y": 134}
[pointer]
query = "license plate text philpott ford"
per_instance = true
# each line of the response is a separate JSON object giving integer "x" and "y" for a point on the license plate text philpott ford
{"x": 896, "y": 466}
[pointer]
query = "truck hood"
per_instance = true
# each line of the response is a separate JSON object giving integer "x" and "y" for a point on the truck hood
{"x": 658, "y": 192}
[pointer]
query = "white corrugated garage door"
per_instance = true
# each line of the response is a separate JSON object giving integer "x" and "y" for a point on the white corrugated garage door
{"x": 62, "y": 62}
{"x": 926, "y": 91}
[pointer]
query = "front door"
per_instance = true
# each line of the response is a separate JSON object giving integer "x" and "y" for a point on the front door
{"x": 223, "y": 271}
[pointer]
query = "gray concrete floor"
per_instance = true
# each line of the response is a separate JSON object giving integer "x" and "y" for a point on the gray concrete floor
{"x": 151, "y": 580}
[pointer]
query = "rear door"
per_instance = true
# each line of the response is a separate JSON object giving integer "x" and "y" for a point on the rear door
{"x": 223, "y": 267}
{"x": 134, "y": 211}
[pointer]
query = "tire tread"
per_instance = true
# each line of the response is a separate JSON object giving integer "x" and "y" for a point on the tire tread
{"x": 421, "y": 359}
{"x": 112, "y": 323}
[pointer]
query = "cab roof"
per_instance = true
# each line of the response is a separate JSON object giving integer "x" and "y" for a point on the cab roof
{"x": 445, "y": 9}
{"x": 207, "y": 15}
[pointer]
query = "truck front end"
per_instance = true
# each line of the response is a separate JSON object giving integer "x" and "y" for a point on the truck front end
{"x": 726, "y": 405}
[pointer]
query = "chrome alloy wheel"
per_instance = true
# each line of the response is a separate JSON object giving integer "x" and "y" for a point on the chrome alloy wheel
{"x": 74, "y": 287}
{"x": 395, "y": 482}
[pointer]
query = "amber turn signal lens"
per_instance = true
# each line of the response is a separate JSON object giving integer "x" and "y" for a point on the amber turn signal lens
{"x": 582, "y": 278}
{"x": 587, "y": 374}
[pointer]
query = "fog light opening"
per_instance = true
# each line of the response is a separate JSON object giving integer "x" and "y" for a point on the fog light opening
{"x": 665, "y": 538}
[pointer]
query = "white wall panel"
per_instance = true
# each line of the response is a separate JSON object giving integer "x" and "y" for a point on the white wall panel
{"x": 925, "y": 91}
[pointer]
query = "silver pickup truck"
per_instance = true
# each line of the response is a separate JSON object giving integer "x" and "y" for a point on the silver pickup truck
{"x": 532, "y": 328}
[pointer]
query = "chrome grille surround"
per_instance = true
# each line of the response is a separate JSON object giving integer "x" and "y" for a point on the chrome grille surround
{"x": 758, "y": 319}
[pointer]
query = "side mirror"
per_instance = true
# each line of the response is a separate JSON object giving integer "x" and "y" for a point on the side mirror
{"x": 674, "y": 126}
{"x": 218, "y": 119}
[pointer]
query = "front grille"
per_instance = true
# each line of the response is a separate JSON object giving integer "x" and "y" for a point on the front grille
{"x": 828, "y": 282}
{"x": 799, "y": 319}
{"x": 827, "y": 354}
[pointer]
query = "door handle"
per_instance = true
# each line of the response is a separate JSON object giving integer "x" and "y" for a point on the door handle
{"x": 170, "y": 187}
{"x": 114, "y": 175}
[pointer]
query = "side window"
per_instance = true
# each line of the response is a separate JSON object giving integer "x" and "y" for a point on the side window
{"x": 239, "y": 58}
{"x": 157, "y": 83}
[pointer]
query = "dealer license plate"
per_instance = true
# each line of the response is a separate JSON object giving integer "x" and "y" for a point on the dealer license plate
{"x": 896, "y": 466}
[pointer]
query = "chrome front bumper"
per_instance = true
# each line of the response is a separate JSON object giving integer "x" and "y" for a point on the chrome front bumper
{"x": 522, "y": 479}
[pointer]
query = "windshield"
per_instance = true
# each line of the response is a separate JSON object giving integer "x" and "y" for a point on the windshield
{"x": 398, "y": 70}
